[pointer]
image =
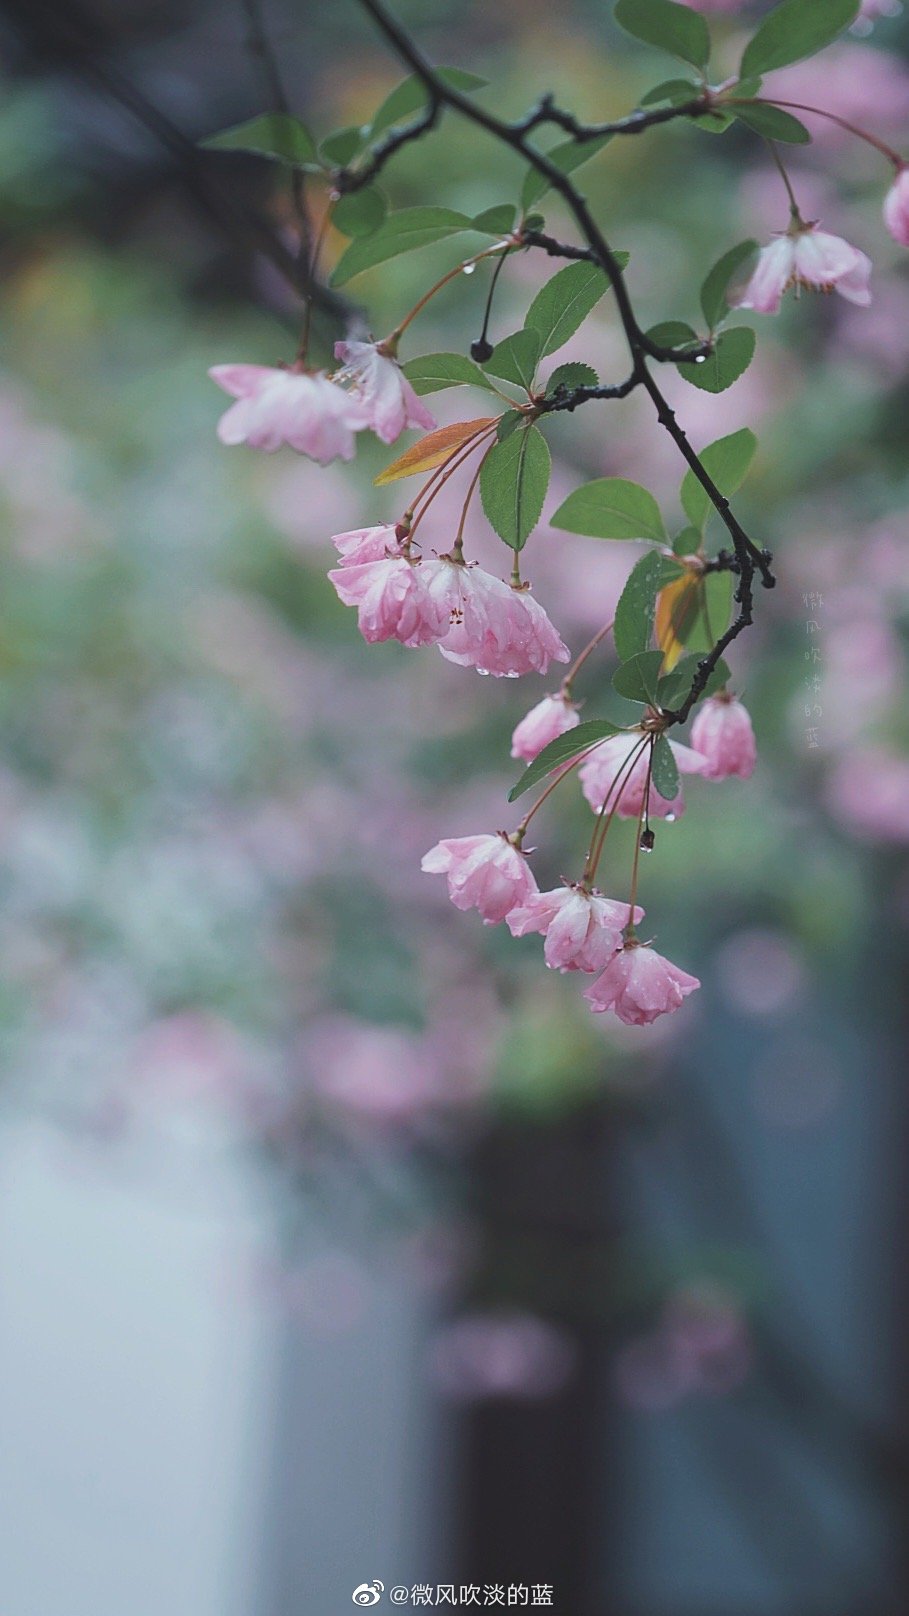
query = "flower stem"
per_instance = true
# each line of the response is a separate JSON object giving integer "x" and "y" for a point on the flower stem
{"x": 467, "y": 263}
{"x": 447, "y": 469}
{"x": 642, "y": 817}
{"x": 313, "y": 266}
{"x": 581, "y": 658}
{"x": 889, "y": 152}
{"x": 793, "y": 205}
{"x": 601, "y": 828}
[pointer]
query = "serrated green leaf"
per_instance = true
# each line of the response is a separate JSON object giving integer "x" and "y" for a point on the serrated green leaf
{"x": 342, "y": 146}
{"x": 637, "y": 679}
{"x": 359, "y": 213}
{"x": 796, "y": 29}
{"x": 274, "y": 134}
{"x": 564, "y": 303}
{"x": 732, "y": 354}
{"x": 514, "y": 478}
{"x": 400, "y": 233}
{"x": 431, "y": 372}
{"x": 611, "y": 508}
{"x": 409, "y": 97}
{"x": 726, "y": 461}
{"x": 508, "y": 423}
{"x": 664, "y": 770}
{"x": 773, "y": 123}
{"x": 634, "y": 613}
{"x": 713, "y": 291}
{"x": 497, "y": 221}
{"x": 562, "y": 750}
{"x": 567, "y": 156}
{"x": 515, "y": 358}
{"x": 571, "y": 376}
{"x": 673, "y": 28}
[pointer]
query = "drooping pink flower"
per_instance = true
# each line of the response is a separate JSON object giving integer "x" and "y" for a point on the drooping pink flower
{"x": 551, "y": 717}
{"x": 381, "y": 388}
{"x": 602, "y": 767}
{"x": 806, "y": 256}
{"x": 393, "y": 601}
{"x": 638, "y": 985}
{"x": 302, "y": 409}
{"x": 487, "y": 873}
{"x": 582, "y": 929}
{"x": 493, "y": 628}
{"x": 896, "y": 208}
{"x": 723, "y": 735}
{"x": 367, "y": 544}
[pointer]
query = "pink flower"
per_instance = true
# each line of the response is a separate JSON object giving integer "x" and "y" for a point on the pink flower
{"x": 493, "y": 628}
{"x": 381, "y": 388}
{"x": 603, "y": 765}
{"x": 896, "y": 208}
{"x": 274, "y": 406}
{"x": 582, "y": 929}
{"x": 638, "y": 984}
{"x": 806, "y": 256}
{"x": 551, "y": 717}
{"x": 393, "y": 601}
{"x": 869, "y": 792}
{"x": 487, "y": 873}
{"x": 722, "y": 733}
{"x": 870, "y": 10}
{"x": 367, "y": 544}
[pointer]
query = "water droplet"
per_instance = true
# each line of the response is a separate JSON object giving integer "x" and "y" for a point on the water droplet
{"x": 700, "y": 359}
{"x": 669, "y": 818}
{"x": 469, "y": 269}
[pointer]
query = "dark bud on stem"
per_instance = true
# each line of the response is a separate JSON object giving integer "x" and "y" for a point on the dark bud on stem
{"x": 647, "y": 840}
{"x": 481, "y": 350}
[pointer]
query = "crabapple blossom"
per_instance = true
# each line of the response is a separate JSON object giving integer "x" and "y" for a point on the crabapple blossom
{"x": 722, "y": 733}
{"x": 806, "y": 256}
{"x": 494, "y": 628}
{"x": 367, "y": 544}
{"x": 638, "y": 985}
{"x": 582, "y": 928}
{"x": 551, "y": 717}
{"x": 896, "y": 208}
{"x": 393, "y": 601}
{"x": 488, "y": 873}
{"x": 303, "y": 409}
{"x": 602, "y": 766}
{"x": 381, "y": 389}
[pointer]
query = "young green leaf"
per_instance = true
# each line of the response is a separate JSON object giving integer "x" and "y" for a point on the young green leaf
{"x": 571, "y": 376}
{"x": 508, "y": 423}
{"x": 673, "y": 28}
{"x": 713, "y": 291}
{"x": 674, "y": 687}
{"x": 514, "y": 478}
{"x": 611, "y": 508}
{"x": 515, "y": 358}
{"x": 664, "y": 770}
{"x": 732, "y": 354}
{"x": 564, "y": 303}
{"x": 274, "y": 134}
{"x": 567, "y": 156}
{"x": 686, "y": 542}
{"x": 727, "y": 462}
{"x": 431, "y": 372}
{"x": 638, "y": 677}
{"x": 562, "y": 750}
{"x": 400, "y": 233}
{"x": 675, "y": 91}
{"x": 795, "y": 29}
{"x": 497, "y": 221}
{"x": 409, "y": 97}
{"x": 773, "y": 123}
{"x": 360, "y": 212}
{"x": 716, "y": 610}
{"x": 340, "y": 148}
{"x": 673, "y": 334}
{"x": 634, "y": 614}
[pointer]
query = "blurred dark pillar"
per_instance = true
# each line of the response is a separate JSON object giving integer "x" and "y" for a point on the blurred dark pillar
{"x": 533, "y": 1505}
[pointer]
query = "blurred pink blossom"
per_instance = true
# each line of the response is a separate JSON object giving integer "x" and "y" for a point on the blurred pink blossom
{"x": 868, "y": 791}
{"x": 722, "y": 733}
{"x": 602, "y": 767}
{"x": 550, "y": 718}
{"x": 508, "y": 1354}
{"x": 381, "y": 388}
{"x": 305, "y": 410}
{"x": 806, "y": 256}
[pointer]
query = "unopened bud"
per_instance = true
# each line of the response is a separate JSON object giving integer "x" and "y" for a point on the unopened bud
{"x": 647, "y": 840}
{"x": 481, "y": 350}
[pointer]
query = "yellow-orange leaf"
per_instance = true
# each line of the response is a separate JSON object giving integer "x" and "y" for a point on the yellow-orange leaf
{"x": 676, "y": 609}
{"x": 433, "y": 449}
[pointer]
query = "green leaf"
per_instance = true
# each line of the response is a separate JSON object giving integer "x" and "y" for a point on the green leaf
{"x": 727, "y": 462}
{"x": 670, "y": 27}
{"x": 796, "y": 29}
{"x": 508, "y": 423}
{"x": 773, "y": 123}
{"x": 704, "y": 630}
{"x": 497, "y": 221}
{"x": 713, "y": 291}
{"x": 341, "y": 147}
{"x": 400, "y": 233}
{"x": 562, "y": 750}
{"x": 409, "y": 97}
{"x": 732, "y": 354}
{"x": 686, "y": 542}
{"x": 674, "y": 687}
{"x": 637, "y": 603}
{"x": 515, "y": 358}
{"x": 673, "y": 334}
{"x": 567, "y": 156}
{"x": 664, "y": 770}
{"x": 675, "y": 91}
{"x": 360, "y": 212}
{"x": 564, "y": 303}
{"x": 611, "y": 508}
{"x": 514, "y": 478}
{"x": 274, "y": 134}
{"x": 638, "y": 677}
{"x": 571, "y": 376}
{"x": 431, "y": 372}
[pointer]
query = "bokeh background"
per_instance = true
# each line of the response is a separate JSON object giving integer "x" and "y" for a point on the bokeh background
{"x": 337, "y": 1240}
